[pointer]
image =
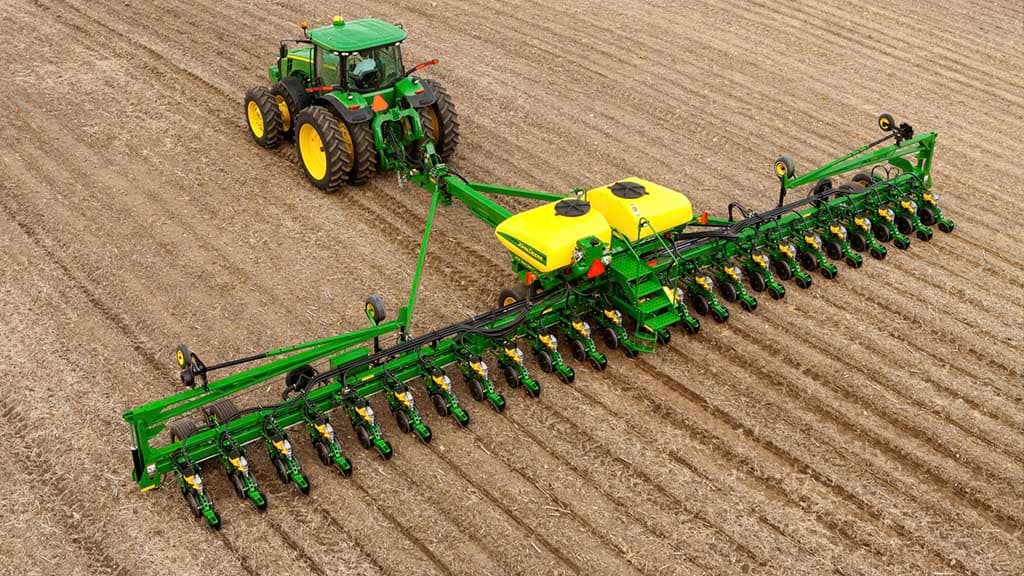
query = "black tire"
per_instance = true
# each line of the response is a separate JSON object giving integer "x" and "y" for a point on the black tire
{"x": 700, "y": 304}
{"x": 364, "y": 437}
{"x": 886, "y": 122}
{"x": 782, "y": 269}
{"x": 546, "y": 363}
{"x": 375, "y": 309}
{"x": 611, "y": 338}
{"x": 784, "y": 167}
{"x": 864, "y": 179}
{"x": 282, "y": 471}
{"x": 821, "y": 186}
{"x": 223, "y": 410}
{"x": 336, "y": 157}
{"x": 182, "y": 429}
{"x": 600, "y": 366}
{"x": 858, "y": 242}
{"x": 193, "y": 503}
{"x": 728, "y": 291}
{"x": 445, "y": 132}
{"x": 881, "y": 232}
{"x": 323, "y": 453}
{"x": 511, "y": 295}
{"x": 511, "y": 376}
{"x": 239, "y": 485}
{"x": 901, "y": 243}
{"x": 877, "y": 254}
{"x": 757, "y": 282}
{"x": 808, "y": 261}
{"x": 828, "y": 273}
{"x": 927, "y": 215}
{"x": 803, "y": 283}
{"x": 833, "y": 250}
{"x": 476, "y": 389}
{"x": 404, "y": 424}
{"x": 946, "y": 226}
{"x": 299, "y": 378}
{"x": 263, "y": 117}
{"x": 364, "y": 153}
{"x": 440, "y": 406}
{"x": 290, "y": 91}
{"x": 579, "y": 351}
{"x": 663, "y": 337}
{"x": 904, "y": 225}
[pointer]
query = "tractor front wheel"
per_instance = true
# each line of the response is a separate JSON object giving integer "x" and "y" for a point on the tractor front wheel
{"x": 263, "y": 116}
{"x": 321, "y": 148}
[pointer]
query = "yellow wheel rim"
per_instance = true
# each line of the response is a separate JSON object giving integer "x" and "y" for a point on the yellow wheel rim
{"x": 286, "y": 116}
{"x": 181, "y": 358}
{"x": 431, "y": 117}
{"x": 508, "y": 301}
{"x": 346, "y": 142}
{"x": 255, "y": 119}
{"x": 311, "y": 148}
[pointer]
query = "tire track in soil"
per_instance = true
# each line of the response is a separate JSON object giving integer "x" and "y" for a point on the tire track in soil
{"x": 1007, "y": 522}
{"x": 597, "y": 445}
{"x": 47, "y": 473}
{"x": 991, "y": 408}
{"x": 751, "y": 465}
{"x": 494, "y": 500}
{"x": 738, "y": 85}
{"x": 794, "y": 463}
{"x": 776, "y": 493}
{"x": 825, "y": 411}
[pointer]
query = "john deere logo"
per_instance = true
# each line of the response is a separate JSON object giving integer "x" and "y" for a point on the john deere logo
{"x": 526, "y": 248}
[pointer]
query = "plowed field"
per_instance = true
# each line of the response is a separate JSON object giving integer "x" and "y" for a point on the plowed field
{"x": 869, "y": 425}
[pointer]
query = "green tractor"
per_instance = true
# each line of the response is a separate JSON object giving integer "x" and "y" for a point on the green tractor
{"x": 343, "y": 95}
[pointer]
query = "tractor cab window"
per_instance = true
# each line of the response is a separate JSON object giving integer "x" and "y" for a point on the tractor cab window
{"x": 327, "y": 65}
{"x": 374, "y": 68}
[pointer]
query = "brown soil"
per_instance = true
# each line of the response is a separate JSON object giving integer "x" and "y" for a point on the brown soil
{"x": 870, "y": 425}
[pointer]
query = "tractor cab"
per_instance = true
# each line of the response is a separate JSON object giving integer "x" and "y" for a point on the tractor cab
{"x": 360, "y": 56}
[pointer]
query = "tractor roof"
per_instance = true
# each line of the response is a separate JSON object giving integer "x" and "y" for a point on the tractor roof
{"x": 356, "y": 35}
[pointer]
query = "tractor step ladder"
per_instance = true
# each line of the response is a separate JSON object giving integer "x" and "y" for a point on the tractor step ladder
{"x": 644, "y": 293}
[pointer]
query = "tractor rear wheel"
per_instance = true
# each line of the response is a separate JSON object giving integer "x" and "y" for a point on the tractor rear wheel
{"x": 441, "y": 122}
{"x": 358, "y": 141}
{"x": 263, "y": 117}
{"x": 321, "y": 148}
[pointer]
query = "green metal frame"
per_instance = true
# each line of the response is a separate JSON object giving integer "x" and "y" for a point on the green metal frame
{"x": 631, "y": 306}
